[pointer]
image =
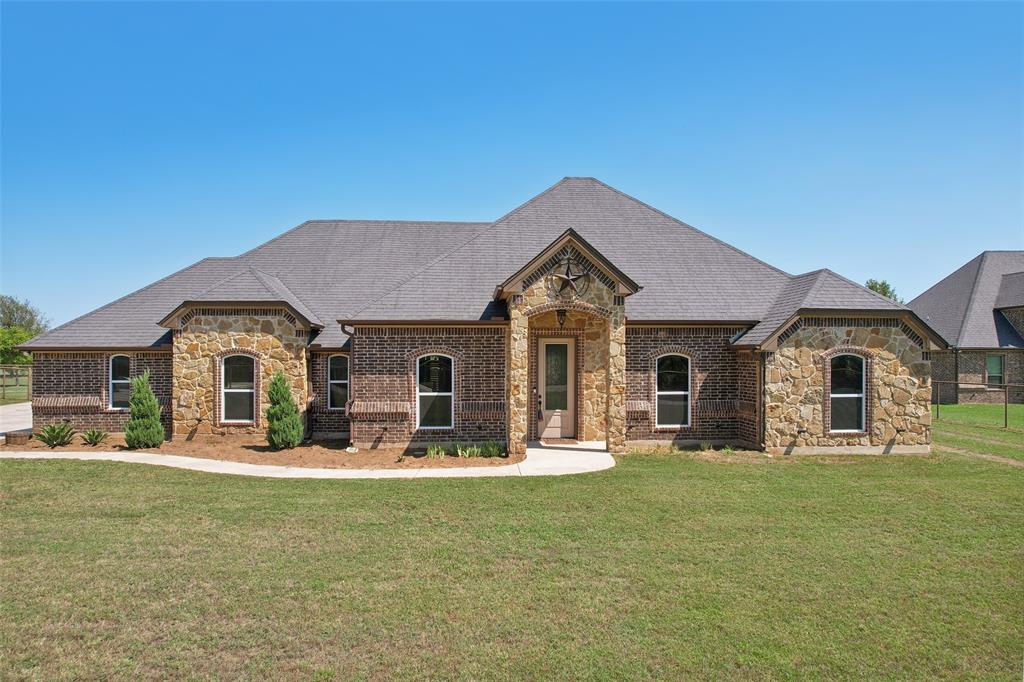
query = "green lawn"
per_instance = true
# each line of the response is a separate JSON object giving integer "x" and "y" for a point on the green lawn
{"x": 665, "y": 566}
{"x": 14, "y": 394}
{"x": 980, "y": 415}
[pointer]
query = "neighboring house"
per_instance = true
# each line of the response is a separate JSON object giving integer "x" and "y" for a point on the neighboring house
{"x": 582, "y": 314}
{"x": 979, "y": 310}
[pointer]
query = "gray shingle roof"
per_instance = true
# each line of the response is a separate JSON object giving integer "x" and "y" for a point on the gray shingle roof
{"x": 817, "y": 290}
{"x": 404, "y": 271}
{"x": 252, "y": 284}
{"x": 685, "y": 273}
{"x": 327, "y": 264}
{"x": 962, "y": 306}
{"x": 1011, "y": 291}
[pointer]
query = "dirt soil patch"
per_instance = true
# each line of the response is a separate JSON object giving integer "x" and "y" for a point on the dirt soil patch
{"x": 325, "y": 454}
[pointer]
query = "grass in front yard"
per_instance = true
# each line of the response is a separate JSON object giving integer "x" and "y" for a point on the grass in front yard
{"x": 666, "y": 566}
{"x": 979, "y": 414}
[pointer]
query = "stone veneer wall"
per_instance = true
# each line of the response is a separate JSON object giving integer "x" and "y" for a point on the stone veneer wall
{"x": 722, "y": 388}
{"x": 973, "y": 370}
{"x": 74, "y": 387}
{"x": 272, "y": 336}
{"x": 898, "y": 390}
{"x": 322, "y": 420}
{"x": 591, "y": 335}
{"x": 529, "y": 310}
{"x": 383, "y": 384}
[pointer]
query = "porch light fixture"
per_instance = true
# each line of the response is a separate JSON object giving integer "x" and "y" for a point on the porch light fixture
{"x": 560, "y": 314}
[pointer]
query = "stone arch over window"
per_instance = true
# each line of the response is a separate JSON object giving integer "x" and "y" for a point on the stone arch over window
{"x": 574, "y": 306}
{"x": 670, "y": 396}
{"x": 219, "y": 382}
{"x": 847, "y": 406}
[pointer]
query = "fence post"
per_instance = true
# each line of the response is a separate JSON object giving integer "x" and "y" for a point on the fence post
{"x": 1006, "y": 405}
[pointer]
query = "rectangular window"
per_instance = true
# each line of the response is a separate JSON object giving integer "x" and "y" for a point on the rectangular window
{"x": 994, "y": 370}
{"x": 337, "y": 382}
{"x": 672, "y": 391}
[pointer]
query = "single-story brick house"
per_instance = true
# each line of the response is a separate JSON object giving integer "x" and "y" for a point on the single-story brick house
{"x": 582, "y": 314}
{"x": 979, "y": 310}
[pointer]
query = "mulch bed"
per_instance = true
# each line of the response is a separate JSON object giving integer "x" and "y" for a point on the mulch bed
{"x": 326, "y": 454}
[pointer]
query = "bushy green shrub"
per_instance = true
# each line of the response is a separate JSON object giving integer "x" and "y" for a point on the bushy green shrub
{"x": 492, "y": 449}
{"x": 57, "y": 434}
{"x": 94, "y": 437}
{"x": 143, "y": 429}
{"x": 284, "y": 423}
{"x": 435, "y": 451}
{"x": 727, "y": 449}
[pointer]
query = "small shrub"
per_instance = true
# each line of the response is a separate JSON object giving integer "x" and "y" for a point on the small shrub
{"x": 94, "y": 437}
{"x": 491, "y": 449}
{"x": 453, "y": 449}
{"x": 705, "y": 446}
{"x": 284, "y": 423}
{"x": 143, "y": 429}
{"x": 727, "y": 449}
{"x": 55, "y": 435}
{"x": 435, "y": 451}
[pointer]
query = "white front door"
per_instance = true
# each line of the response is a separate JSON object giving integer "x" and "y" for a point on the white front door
{"x": 556, "y": 378}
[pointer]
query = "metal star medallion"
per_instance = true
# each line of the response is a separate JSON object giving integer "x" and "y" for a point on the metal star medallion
{"x": 570, "y": 277}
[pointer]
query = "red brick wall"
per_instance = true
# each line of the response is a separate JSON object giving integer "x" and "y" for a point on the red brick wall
{"x": 82, "y": 378}
{"x": 383, "y": 371}
{"x": 722, "y": 386}
{"x": 321, "y": 419}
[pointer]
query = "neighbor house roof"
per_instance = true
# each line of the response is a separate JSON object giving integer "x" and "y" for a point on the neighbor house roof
{"x": 363, "y": 272}
{"x": 963, "y": 306}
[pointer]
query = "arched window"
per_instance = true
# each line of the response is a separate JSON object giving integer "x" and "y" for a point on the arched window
{"x": 847, "y": 393}
{"x": 337, "y": 382}
{"x": 120, "y": 388}
{"x": 435, "y": 393}
{"x": 672, "y": 399}
{"x": 238, "y": 389}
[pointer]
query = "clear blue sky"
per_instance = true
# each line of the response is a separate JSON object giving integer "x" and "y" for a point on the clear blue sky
{"x": 876, "y": 139}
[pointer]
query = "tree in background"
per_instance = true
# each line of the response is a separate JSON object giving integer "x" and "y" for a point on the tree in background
{"x": 143, "y": 429}
{"x": 284, "y": 423}
{"x": 881, "y": 286}
{"x": 19, "y": 322}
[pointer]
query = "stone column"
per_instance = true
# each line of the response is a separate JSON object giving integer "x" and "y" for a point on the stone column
{"x": 616, "y": 435}
{"x": 518, "y": 376}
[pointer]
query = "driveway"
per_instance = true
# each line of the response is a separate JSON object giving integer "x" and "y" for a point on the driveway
{"x": 15, "y": 417}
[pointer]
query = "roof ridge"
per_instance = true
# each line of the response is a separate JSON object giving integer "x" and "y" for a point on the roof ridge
{"x": 132, "y": 293}
{"x": 387, "y": 220}
{"x": 974, "y": 293}
{"x": 487, "y": 228}
{"x": 687, "y": 225}
{"x": 861, "y": 286}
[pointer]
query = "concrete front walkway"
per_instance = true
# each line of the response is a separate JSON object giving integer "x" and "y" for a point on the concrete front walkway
{"x": 540, "y": 461}
{"x": 16, "y": 417}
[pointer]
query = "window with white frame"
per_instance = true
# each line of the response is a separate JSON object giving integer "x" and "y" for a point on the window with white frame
{"x": 994, "y": 373}
{"x": 337, "y": 382}
{"x": 238, "y": 388}
{"x": 847, "y": 393}
{"x": 435, "y": 394}
{"x": 120, "y": 388}
{"x": 672, "y": 391}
